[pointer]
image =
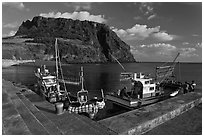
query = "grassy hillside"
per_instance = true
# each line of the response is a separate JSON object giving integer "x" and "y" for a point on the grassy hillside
{"x": 18, "y": 48}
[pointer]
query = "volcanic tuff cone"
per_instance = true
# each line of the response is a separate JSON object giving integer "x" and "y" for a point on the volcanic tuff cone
{"x": 80, "y": 41}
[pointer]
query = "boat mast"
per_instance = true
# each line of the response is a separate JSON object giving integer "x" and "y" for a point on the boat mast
{"x": 82, "y": 79}
{"x": 56, "y": 61}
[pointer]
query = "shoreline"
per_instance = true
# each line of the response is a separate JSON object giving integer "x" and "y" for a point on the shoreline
{"x": 9, "y": 62}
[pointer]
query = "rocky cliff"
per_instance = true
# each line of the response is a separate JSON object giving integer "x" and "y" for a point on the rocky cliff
{"x": 80, "y": 41}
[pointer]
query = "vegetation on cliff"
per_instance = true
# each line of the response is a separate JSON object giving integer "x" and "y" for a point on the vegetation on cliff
{"x": 79, "y": 41}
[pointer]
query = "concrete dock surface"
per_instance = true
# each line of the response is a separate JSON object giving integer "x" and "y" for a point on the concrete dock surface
{"x": 141, "y": 120}
{"x": 188, "y": 123}
{"x": 25, "y": 112}
{"x": 38, "y": 117}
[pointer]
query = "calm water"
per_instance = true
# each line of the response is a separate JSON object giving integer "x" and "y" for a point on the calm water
{"x": 101, "y": 76}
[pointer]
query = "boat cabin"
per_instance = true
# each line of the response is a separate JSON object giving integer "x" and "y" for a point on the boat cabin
{"x": 49, "y": 80}
{"x": 43, "y": 71}
{"x": 148, "y": 85}
{"x": 82, "y": 96}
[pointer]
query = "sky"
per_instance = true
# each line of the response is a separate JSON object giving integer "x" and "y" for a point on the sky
{"x": 155, "y": 31}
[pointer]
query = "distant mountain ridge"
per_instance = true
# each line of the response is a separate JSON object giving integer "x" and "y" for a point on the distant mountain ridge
{"x": 80, "y": 41}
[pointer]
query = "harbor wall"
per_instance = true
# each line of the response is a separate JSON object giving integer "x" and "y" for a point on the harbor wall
{"x": 144, "y": 119}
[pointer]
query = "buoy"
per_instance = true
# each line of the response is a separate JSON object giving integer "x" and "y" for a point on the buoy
{"x": 59, "y": 108}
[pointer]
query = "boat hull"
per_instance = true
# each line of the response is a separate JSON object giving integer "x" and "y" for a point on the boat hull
{"x": 122, "y": 101}
{"x": 133, "y": 103}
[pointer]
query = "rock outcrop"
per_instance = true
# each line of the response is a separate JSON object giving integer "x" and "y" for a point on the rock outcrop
{"x": 80, "y": 41}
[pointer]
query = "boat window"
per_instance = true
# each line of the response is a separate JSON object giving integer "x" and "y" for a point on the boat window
{"x": 126, "y": 76}
{"x": 146, "y": 82}
{"x": 49, "y": 80}
{"x": 151, "y": 88}
{"x": 138, "y": 75}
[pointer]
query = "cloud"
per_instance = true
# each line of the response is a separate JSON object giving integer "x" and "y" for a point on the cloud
{"x": 17, "y": 5}
{"x": 159, "y": 48}
{"x": 163, "y": 36}
{"x": 11, "y": 25}
{"x": 163, "y": 52}
{"x": 188, "y": 52}
{"x": 199, "y": 45}
{"x": 141, "y": 32}
{"x": 155, "y": 51}
{"x": 195, "y": 35}
{"x": 146, "y": 8}
{"x": 196, "y": 45}
{"x": 152, "y": 16}
{"x": 82, "y": 15}
{"x": 137, "y": 53}
{"x": 137, "y": 18}
{"x": 137, "y": 32}
{"x": 159, "y": 45}
{"x": 185, "y": 43}
{"x": 79, "y": 5}
{"x": 11, "y": 33}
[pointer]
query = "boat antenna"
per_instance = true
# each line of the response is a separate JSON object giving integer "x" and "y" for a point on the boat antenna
{"x": 117, "y": 61}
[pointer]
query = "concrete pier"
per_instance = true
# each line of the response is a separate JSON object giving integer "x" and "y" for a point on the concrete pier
{"x": 144, "y": 119}
{"x": 28, "y": 113}
{"x": 25, "y": 112}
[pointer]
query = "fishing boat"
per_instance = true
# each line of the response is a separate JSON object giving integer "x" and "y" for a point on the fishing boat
{"x": 139, "y": 89}
{"x": 48, "y": 84}
{"x": 83, "y": 103}
{"x": 50, "y": 87}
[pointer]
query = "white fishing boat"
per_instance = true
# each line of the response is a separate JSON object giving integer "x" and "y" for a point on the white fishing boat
{"x": 49, "y": 86}
{"x": 141, "y": 89}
